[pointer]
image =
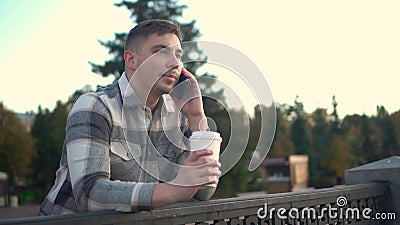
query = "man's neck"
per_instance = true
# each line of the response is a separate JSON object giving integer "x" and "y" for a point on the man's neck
{"x": 152, "y": 101}
{"x": 148, "y": 98}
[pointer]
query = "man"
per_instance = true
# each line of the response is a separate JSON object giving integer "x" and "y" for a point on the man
{"x": 122, "y": 142}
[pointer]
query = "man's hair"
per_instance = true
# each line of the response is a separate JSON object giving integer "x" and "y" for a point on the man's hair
{"x": 146, "y": 28}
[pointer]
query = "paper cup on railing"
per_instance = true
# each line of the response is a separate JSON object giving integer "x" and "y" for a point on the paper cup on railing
{"x": 206, "y": 140}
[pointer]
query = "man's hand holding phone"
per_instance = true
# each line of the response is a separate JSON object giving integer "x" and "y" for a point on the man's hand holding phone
{"x": 187, "y": 97}
{"x": 180, "y": 86}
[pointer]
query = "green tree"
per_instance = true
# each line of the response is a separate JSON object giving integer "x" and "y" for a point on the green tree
{"x": 49, "y": 133}
{"x": 282, "y": 145}
{"x": 321, "y": 138}
{"x": 372, "y": 138}
{"x": 340, "y": 157}
{"x": 339, "y": 152}
{"x": 237, "y": 179}
{"x": 395, "y": 120}
{"x": 389, "y": 142}
{"x": 322, "y": 169}
{"x": 378, "y": 134}
{"x": 299, "y": 134}
{"x": 16, "y": 146}
{"x": 357, "y": 133}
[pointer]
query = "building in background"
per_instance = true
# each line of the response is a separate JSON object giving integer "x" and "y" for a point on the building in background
{"x": 286, "y": 174}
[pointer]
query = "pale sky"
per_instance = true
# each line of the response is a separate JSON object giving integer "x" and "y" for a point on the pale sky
{"x": 314, "y": 49}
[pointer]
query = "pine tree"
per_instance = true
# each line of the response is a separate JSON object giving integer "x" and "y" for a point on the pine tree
{"x": 282, "y": 145}
{"x": 145, "y": 10}
{"x": 299, "y": 134}
{"x": 389, "y": 141}
{"x": 49, "y": 132}
{"x": 395, "y": 120}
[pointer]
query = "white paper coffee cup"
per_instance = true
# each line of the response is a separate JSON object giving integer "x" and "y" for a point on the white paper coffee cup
{"x": 206, "y": 140}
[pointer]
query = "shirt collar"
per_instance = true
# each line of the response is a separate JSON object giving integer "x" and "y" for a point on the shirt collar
{"x": 129, "y": 97}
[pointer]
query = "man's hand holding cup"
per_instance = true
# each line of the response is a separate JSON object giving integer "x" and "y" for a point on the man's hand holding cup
{"x": 210, "y": 140}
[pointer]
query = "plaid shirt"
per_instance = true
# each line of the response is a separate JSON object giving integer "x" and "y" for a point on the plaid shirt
{"x": 110, "y": 137}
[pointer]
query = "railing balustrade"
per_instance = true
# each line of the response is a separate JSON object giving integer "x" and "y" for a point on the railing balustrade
{"x": 357, "y": 202}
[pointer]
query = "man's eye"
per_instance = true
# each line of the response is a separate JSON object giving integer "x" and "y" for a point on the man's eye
{"x": 163, "y": 51}
{"x": 179, "y": 56}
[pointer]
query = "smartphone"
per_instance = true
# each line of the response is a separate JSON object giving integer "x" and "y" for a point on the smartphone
{"x": 179, "y": 90}
{"x": 181, "y": 79}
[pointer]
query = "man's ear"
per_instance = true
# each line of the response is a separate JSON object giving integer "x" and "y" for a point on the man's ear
{"x": 131, "y": 60}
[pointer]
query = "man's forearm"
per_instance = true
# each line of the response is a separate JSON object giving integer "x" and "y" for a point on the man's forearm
{"x": 198, "y": 123}
{"x": 166, "y": 194}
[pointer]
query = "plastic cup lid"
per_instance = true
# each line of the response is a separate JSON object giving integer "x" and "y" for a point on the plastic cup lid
{"x": 205, "y": 135}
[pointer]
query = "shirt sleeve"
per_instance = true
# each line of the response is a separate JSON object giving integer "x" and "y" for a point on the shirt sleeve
{"x": 204, "y": 194}
{"x": 87, "y": 141}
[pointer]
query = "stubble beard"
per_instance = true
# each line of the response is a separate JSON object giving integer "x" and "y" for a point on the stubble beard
{"x": 163, "y": 87}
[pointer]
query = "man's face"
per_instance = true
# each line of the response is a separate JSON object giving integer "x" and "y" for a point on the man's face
{"x": 159, "y": 60}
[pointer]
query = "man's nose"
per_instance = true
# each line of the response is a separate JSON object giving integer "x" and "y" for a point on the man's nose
{"x": 173, "y": 61}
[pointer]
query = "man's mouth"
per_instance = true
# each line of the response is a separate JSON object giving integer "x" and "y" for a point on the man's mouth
{"x": 170, "y": 75}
